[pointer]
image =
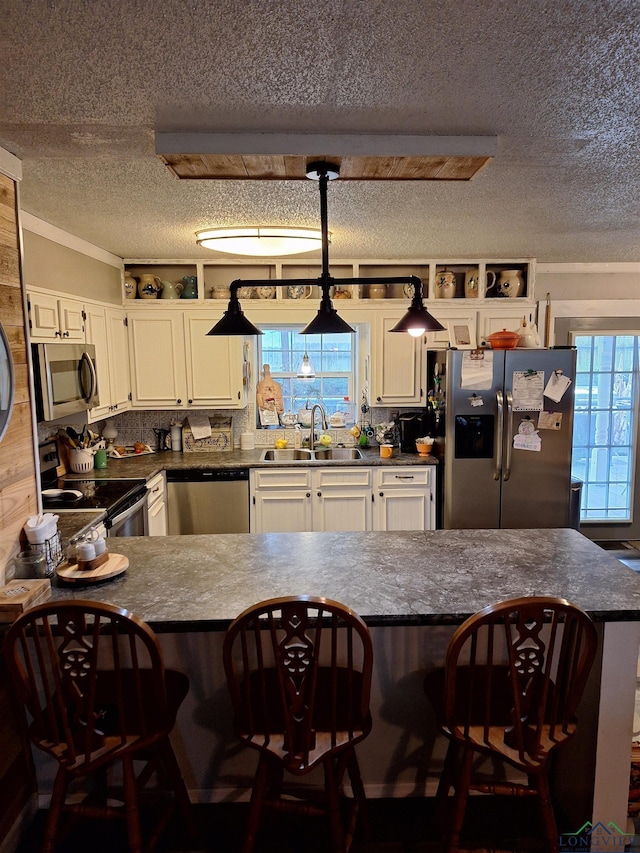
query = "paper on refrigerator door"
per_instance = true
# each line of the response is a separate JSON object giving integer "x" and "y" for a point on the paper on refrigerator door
{"x": 556, "y": 386}
{"x": 477, "y": 370}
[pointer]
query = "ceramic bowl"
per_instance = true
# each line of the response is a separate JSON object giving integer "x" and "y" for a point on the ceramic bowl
{"x": 503, "y": 340}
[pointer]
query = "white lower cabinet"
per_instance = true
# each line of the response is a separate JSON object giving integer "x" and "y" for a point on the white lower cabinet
{"x": 342, "y": 499}
{"x": 157, "y": 505}
{"x": 403, "y": 498}
{"x": 280, "y": 500}
{"x": 294, "y": 500}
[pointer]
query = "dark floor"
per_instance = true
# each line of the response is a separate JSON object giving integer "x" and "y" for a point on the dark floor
{"x": 398, "y": 826}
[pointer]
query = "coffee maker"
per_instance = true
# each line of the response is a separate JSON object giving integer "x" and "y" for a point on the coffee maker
{"x": 412, "y": 425}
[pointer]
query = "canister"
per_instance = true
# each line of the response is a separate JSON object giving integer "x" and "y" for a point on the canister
{"x": 247, "y": 441}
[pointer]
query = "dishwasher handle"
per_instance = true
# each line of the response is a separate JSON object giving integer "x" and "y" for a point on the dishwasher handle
{"x": 206, "y": 475}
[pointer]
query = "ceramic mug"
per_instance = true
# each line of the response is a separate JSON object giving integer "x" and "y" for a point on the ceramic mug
{"x": 100, "y": 459}
{"x": 299, "y": 291}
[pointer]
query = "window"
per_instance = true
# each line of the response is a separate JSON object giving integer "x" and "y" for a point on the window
{"x": 605, "y": 424}
{"x": 332, "y": 356}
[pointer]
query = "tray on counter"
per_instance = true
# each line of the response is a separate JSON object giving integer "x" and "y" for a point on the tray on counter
{"x": 129, "y": 452}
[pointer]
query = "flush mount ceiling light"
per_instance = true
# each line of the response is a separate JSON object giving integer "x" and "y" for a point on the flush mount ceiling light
{"x": 260, "y": 241}
{"x": 416, "y": 321}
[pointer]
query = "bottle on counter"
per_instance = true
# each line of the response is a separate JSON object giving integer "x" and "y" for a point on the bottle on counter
{"x": 176, "y": 437}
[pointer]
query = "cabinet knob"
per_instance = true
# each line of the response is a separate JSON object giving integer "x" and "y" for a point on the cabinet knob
{"x": 378, "y": 399}
{"x": 65, "y": 334}
{"x": 308, "y": 494}
{"x": 58, "y": 333}
{"x": 179, "y": 402}
{"x": 319, "y": 494}
{"x": 189, "y": 402}
{"x": 381, "y": 494}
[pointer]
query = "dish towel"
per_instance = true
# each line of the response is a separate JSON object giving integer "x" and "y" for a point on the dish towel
{"x": 200, "y": 426}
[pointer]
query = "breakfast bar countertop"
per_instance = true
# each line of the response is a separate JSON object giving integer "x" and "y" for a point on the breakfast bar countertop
{"x": 191, "y": 583}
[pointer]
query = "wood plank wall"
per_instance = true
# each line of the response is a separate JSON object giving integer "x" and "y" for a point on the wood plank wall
{"x": 18, "y": 486}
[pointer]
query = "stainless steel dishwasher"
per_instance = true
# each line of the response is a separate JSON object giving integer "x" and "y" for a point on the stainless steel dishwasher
{"x": 206, "y": 501}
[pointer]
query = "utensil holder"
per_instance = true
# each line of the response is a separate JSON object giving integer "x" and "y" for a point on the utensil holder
{"x": 81, "y": 461}
{"x": 52, "y": 550}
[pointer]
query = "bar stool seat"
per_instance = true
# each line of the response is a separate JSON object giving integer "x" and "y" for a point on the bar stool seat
{"x": 513, "y": 677}
{"x": 299, "y": 675}
{"x": 97, "y": 695}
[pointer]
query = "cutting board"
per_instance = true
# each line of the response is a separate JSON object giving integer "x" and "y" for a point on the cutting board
{"x": 19, "y": 595}
{"x": 114, "y": 566}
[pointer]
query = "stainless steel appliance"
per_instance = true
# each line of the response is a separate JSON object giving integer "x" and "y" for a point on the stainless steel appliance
{"x": 65, "y": 379}
{"x": 206, "y": 501}
{"x": 124, "y": 501}
{"x": 507, "y": 464}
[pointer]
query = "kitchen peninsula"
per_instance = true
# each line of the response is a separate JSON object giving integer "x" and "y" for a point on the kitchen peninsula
{"x": 412, "y": 589}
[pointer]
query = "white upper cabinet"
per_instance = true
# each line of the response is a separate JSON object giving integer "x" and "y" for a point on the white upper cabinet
{"x": 396, "y": 364}
{"x": 52, "y": 318}
{"x": 174, "y": 364}
{"x": 106, "y": 330}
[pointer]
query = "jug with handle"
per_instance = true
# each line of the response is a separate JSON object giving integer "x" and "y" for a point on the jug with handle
{"x": 511, "y": 283}
{"x": 190, "y": 290}
{"x": 170, "y": 290}
{"x": 445, "y": 284}
{"x": 299, "y": 291}
{"x": 148, "y": 286}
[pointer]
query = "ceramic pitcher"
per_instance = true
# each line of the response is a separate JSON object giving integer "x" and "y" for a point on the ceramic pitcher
{"x": 149, "y": 286}
{"x": 445, "y": 285}
{"x": 190, "y": 290}
{"x": 299, "y": 291}
{"x": 511, "y": 283}
{"x": 170, "y": 290}
{"x": 130, "y": 286}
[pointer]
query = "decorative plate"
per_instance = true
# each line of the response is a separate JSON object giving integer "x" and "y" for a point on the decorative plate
{"x": 265, "y": 292}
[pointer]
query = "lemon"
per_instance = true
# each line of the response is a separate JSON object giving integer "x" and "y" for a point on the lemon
{"x": 325, "y": 440}
{"x": 281, "y": 443}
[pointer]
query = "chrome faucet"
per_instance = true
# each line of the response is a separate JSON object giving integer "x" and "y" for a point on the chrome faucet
{"x": 312, "y": 431}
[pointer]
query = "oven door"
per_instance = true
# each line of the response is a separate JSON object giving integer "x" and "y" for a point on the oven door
{"x": 130, "y": 520}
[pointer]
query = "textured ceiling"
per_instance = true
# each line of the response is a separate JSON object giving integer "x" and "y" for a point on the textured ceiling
{"x": 84, "y": 86}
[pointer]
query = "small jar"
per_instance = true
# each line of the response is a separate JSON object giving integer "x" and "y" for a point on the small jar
{"x": 377, "y": 291}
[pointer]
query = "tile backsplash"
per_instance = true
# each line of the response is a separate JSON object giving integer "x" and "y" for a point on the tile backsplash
{"x": 138, "y": 425}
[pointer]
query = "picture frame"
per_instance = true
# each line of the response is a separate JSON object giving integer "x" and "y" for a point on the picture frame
{"x": 462, "y": 334}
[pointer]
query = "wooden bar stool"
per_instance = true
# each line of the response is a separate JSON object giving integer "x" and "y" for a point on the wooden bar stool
{"x": 299, "y": 674}
{"x": 513, "y": 677}
{"x": 93, "y": 682}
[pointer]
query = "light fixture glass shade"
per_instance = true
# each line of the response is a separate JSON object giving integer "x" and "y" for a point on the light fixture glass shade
{"x": 306, "y": 369}
{"x": 260, "y": 241}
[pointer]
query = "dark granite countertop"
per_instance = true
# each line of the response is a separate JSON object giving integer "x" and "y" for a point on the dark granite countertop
{"x": 146, "y": 465}
{"x": 187, "y": 583}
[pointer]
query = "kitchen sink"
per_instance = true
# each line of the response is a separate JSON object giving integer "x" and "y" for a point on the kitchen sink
{"x": 337, "y": 453}
{"x": 286, "y": 455}
{"x": 320, "y": 454}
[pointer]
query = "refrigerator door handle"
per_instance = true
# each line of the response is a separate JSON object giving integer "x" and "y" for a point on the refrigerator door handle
{"x": 507, "y": 467}
{"x": 497, "y": 451}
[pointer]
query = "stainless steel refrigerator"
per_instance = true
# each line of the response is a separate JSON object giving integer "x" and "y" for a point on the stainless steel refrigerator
{"x": 507, "y": 439}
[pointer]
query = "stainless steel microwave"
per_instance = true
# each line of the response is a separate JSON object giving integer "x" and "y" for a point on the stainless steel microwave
{"x": 65, "y": 379}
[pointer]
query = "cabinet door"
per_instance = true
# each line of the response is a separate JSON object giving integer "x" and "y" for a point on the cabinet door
{"x": 97, "y": 334}
{"x": 342, "y": 499}
{"x": 157, "y": 518}
{"x": 286, "y": 511}
{"x": 404, "y": 509}
{"x": 119, "y": 374}
{"x": 503, "y": 317}
{"x": 158, "y": 369}
{"x": 396, "y": 378}
{"x": 214, "y": 365}
{"x": 342, "y": 510}
{"x": 440, "y": 340}
{"x": 71, "y": 319}
{"x": 44, "y": 321}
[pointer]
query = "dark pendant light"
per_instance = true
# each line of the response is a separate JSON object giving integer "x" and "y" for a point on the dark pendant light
{"x": 327, "y": 321}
